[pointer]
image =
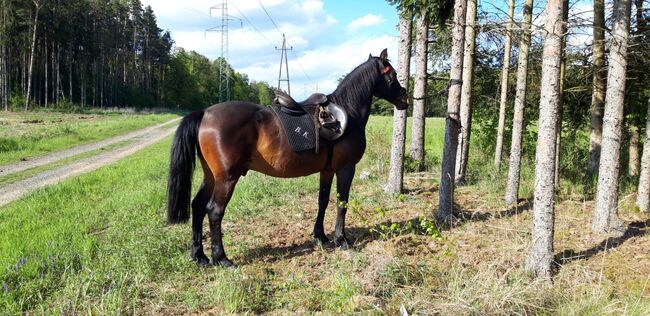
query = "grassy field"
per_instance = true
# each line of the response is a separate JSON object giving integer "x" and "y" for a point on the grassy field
{"x": 26, "y": 135}
{"x": 98, "y": 244}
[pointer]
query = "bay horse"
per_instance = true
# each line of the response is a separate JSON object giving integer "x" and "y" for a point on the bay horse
{"x": 234, "y": 137}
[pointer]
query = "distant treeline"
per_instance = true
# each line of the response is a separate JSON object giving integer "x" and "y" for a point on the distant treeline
{"x": 103, "y": 53}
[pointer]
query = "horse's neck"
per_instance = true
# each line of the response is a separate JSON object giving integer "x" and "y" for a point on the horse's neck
{"x": 357, "y": 106}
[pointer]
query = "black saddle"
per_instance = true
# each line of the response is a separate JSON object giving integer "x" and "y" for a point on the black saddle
{"x": 330, "y": 119}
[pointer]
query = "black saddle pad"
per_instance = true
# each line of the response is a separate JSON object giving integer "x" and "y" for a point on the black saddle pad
{"x": 298, "y": 127}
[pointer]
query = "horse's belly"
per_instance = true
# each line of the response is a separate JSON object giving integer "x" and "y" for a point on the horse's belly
{"x": 288, "y": 164}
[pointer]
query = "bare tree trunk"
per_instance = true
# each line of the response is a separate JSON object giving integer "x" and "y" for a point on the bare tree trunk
{"x": 31, "y": 55}
{"x": 452, "y": 122}
{"x": 606, "y": 212}
{"x": 540, "y": 257}
{"x": 395, "y": 182}
{"x": 598, "y": 87}
{"x": 70, "y": 76}
{"x": 633, "y": 149}
{"x": 643, "y": 191}
{"x": 558, "y": 131}
{"x": 512, "y": 186}
{"x": 503, "y": 101}
{"x": 3, "y": 58}
{"x": 45, "y": 58}
{"x": 419, "y": 91}
{"x": 466, "y": 93}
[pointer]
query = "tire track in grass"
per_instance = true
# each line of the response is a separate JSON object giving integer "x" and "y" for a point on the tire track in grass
{"x": 63, "y": 154}
{"x": 17, "y": 189}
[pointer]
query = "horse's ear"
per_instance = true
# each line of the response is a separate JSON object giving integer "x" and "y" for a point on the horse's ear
{"x": 369, "y": 56}
{"x": 384, "y": 55}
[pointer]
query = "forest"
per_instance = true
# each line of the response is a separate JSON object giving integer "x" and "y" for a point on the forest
{"x": 113, "y": 54}
{"x": 575, "y": 107}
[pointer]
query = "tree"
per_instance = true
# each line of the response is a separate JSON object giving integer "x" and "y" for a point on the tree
{"x": 598, "y": 87}
{"x": 452, "y": 122}
{"x": 540, "y": 256}
{"x": 503, "y": 99}
{"x": 558, "y": 130}
{"x": 419, "y": 90}
{"x": 605, "y": 217}
{"x": 395, "y": 181}
{"x": 37, "y": 7}
{"x": 643, "y": 191}
{"x": 466, "y": 93}
{"x": 512, "y": 186}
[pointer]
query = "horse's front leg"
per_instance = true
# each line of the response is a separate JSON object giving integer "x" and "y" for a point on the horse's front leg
{"x": 344, "y": 178}
{"x": 323, "y": 200}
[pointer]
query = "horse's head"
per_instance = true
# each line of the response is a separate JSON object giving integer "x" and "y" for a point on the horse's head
{"x": 388, "y": 87}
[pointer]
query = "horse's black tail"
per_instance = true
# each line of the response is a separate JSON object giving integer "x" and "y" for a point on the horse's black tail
{"x": 181, "y": 168}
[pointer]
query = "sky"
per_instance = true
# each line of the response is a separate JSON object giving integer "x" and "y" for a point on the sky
{"x": 328, "y": 38}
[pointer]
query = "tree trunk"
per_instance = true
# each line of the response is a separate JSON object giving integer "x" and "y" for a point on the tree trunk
{"x": 70, "y": 76}
{"x": 503, "y": 100}
{"x": 598, "y": 87}
{"x": 466, "y": 93}
{"x": 395, "y": 182}
{"x": 45, "y": 58}
{"x": 633, "y": 149}
{"x": 643, "y": 191}
{"x": 558, "y": 131}
{"x": 31, "y": 56}
{"x": 3, "y": 58}
{"x": 606, "y": 212}
{"x": 540, "y": 257}
{"x": 452, "y": 122}
{"x": 419, "y": 91}
{"x": 512, "y": 186}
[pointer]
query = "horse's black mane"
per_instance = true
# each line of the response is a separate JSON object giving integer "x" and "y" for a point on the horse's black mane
{"x": 355, "y": 90}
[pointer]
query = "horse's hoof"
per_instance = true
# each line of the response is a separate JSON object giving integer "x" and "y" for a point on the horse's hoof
{"x": 321, "y": 239}
{"x": 201, "y": 259}
{"x": 224, "y": 263}
{"x": 342, "y": 242}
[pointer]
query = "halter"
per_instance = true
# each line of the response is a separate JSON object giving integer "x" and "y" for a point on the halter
{"x": 386, "y": 70}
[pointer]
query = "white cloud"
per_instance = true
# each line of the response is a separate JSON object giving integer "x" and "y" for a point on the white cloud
{"x": 365, "y": 21}
{"x": 324, "y": 65}
{"x": 320, "y": 56}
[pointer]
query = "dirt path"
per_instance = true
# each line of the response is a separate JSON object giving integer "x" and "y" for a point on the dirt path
{"x": 59, "y": 155}
{"x": 139, "y": 140}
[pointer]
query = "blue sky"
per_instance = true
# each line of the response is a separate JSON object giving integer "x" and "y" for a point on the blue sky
{"x": 329, "y": 38}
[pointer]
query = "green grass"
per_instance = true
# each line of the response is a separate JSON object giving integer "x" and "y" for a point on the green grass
{"x": 32, "y": 134}
{"x": 98, "y": 244}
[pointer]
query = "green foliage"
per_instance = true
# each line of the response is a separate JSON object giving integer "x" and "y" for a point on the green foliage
{"x": 113, "y": 56}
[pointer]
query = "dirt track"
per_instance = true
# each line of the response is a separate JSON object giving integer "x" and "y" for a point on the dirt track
{"x": 137, "y": 140}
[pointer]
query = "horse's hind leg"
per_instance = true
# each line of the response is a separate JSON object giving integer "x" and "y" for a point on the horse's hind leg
{"x": 323, "y": 201}
{"x": 223, "y": 189}
{"x": 344, "y": 178}
{"x": 199, "y": 205}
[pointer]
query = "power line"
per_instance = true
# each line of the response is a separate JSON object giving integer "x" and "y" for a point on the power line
{"x": 251, "y": 24}
{"x": 300, "y": 65}
{"x": 270, "y": 18}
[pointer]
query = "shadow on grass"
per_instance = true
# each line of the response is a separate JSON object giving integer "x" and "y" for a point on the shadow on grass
{"x": 638, "y": 228}
{"x": 464, "y": 216}
{"x": 361, "y": 236}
